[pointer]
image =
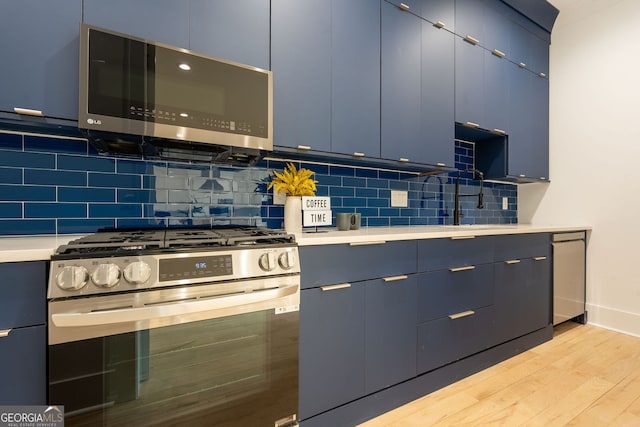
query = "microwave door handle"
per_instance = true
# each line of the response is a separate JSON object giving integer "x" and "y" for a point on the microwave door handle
{"x": 124, "y": 315}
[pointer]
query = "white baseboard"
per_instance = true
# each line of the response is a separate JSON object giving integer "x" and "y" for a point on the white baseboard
{"x": 613, "y": 319}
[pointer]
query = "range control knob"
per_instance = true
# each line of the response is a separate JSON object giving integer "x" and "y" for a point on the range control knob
{"x": 287, "y": 260}
{"x": 106, "y": 275}
{"x": 267, "y": 261}
{"x": 72, "y": 278}
{"x": 137, "y": 272}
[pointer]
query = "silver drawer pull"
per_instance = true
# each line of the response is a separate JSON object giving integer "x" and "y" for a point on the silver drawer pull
{"x": 358, "y": 154}
{"x": 472, "y": 124}
{"x": 403, "y": 159}
{"x": 463, "y": 314}
{"x": 512, "y": 261}
{"x": 376, "y": 242}
{"x": 27, "y": 111}
{"x": 466, "y": 268}
{"x": 304, "y": 147}
{"x": 462, "y": 237}
{"x": 404, "y": 6}
{"x": 543, "y": 75}
{"x": 395, "y": 278}
{"x": 4, "y": 333}
{"x": 439, "y": 24}
{"x": 522, "y": 65}
{"x": 522, "y": 175}
{"x": 499, "y": 131}
{"x": 335, "y": 287}
{"x": 471, "y": 39}
{"x": 440, "y": 164}
{"x": 498, "y": 53}
{"x": 539, "y": 258}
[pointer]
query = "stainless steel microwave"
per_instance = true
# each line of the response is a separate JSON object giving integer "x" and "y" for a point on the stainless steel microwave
{"x": 138, "y": 87}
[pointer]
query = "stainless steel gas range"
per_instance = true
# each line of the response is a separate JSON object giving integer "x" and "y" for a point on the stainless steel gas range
{"x": 177, "y": 326}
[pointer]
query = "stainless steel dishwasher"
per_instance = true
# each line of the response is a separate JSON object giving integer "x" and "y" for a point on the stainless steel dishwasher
{"x": 569, "y": 265}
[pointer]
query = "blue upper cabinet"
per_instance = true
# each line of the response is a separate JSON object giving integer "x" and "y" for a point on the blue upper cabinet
{"x": 355, "y": 77}
{"x": 237, "y": 30}
{"x": 469, "y": 83}
{"x": 164, "y": 21}
{"x": 40, "y": 56}
{"x": 301, "y": 64}
{"x": 417, "y": 87}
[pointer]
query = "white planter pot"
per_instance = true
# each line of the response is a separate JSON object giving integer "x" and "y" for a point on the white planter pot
{"x": 293, "y": 214}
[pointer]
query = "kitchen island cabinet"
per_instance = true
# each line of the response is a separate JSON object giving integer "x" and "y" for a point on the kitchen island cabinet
{"x": 40, "y": 56}
{"x": 23, "y": 335}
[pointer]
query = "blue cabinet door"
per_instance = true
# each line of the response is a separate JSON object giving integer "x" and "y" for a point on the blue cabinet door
{"x": 237, "y": 30}
{"x": 439, "y": 11}
{"x": 469, "y": 16}
{"x": 401, "y": 83}
{"x": 39, "y": 46}
{"x": 301, "y": 64}
{"x": 355, "y": 77}
{"x": 437, "y": 102}
{"x": 469, "y": 83}
{"x": 390, "y": 337}
{"x": 164, "y": 21}
{"x": 23, "y": 294}
{"x": 332, "y": 350}
{"x": 496, "y": 92}
{"x": 23, "y": 366}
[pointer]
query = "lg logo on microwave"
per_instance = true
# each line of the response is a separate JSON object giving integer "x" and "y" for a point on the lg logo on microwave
{"x": 94, "y": 122}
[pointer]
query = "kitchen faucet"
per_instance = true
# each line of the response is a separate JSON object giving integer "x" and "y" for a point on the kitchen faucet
{"x": 456, "y": 207}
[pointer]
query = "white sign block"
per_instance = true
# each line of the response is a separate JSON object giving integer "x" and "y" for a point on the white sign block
{"x": 312, "y": 203}
{"x": 316, "y": 218}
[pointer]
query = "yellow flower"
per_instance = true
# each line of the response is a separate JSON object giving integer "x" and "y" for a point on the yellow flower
{"x": 293, "y": 182}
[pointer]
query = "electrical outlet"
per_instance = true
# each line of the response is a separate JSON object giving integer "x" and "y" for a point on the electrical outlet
{"x": 505, "y": 203}
{"x": 278, "y": 197}
{"x": 399, "y": 199}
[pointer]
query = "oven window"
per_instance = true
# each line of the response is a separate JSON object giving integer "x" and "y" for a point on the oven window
{"x": 236, "y": 370}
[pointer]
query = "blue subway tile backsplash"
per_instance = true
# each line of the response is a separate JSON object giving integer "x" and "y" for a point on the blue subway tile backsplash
{"x": 56, "y": 185}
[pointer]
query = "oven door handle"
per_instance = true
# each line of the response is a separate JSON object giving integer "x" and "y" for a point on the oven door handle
{"x": 149, "y": 312}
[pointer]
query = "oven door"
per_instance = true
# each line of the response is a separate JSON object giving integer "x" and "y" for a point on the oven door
{"x": 197, "y": 356}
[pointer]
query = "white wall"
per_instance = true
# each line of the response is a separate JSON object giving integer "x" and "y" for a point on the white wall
{"x": 595, "y": 150}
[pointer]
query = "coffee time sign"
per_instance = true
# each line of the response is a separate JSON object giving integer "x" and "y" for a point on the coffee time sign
{"x": 316, "y": 211}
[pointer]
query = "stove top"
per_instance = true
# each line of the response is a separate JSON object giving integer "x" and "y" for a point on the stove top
{"x": 128, "y": 241}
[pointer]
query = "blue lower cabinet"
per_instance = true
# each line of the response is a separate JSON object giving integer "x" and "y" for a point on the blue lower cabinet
{"x": 332, "y": 349}
{"x": 451, "y": 338}
{"x": 390, "y": 338}
{"x": 23, "y": 366}
{"x": 23, "y": 294}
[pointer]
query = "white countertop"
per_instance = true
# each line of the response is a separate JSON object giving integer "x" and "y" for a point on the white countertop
{"x": 375, "y": 234}
{"x": 36, "y": 248}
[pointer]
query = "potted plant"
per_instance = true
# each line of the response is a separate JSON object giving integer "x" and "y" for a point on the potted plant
{"x": 295, "y": 183}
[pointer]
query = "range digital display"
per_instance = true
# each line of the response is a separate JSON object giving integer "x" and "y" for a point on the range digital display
{"x": 195, "y": 267}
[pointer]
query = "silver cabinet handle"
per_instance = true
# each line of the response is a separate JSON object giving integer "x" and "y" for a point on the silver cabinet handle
{"x": 472, "y": 124}
{"x": 404, "y": 6}
{"x": 358, "y": 154}
{"x": 512, "y": 261}
{"x": 539, "y": 258}
{"x": 465, "y": 268}
{"x": 335, "y": 287}
{"x": 4, "y": 332}
{"x": 543, "y": 75}
{"x": 462, "y": 314}
{"x": 471, "y": 39}
{"x": 441, "y": 164}
{"x": 462, "y": 237}
{"x": 543, "y": 177}
{"x": 439, "y": 24}
{"x": 27, "y": 111}
{"x": 522, "y": 175}
{"x": 395, "y": 278}
{"x": 403, "y": 159}
{"x": 522, "y": 65}
{"x": 376, "y": 242}
{"x": 499, "y": 131}
{"x": 498, "y": 53}
{"x": 304, "y": 147}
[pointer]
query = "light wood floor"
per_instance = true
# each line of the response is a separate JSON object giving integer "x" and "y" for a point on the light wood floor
{"x": 585, "y": 376}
